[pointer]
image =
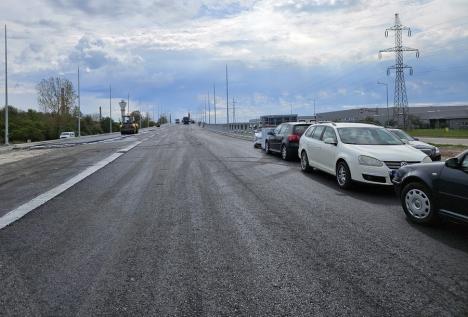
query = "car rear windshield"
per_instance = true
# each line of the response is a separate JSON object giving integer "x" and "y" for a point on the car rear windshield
{"x": 368, "y": 136}
{"x": 300, "y": 129}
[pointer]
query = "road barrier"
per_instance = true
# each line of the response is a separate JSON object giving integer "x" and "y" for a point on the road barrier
{"x": 241, "y": 130}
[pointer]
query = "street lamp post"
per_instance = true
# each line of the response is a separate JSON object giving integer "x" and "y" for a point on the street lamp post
{"x": 6, "y": 89}
{"x": 386, "y": 86}
{"x": 110, "y": 108}
{"x": 79, "y": 104}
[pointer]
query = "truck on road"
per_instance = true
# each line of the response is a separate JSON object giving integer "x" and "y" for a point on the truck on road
{"x": 128, "y": 125}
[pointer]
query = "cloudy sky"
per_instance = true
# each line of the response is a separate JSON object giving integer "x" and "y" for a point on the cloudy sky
{"x": 281, "y": 54}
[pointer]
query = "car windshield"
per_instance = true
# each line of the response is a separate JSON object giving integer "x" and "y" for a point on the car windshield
{"x": 368, "y": 136}
{"x": 402, "y": 135}
{"x": 300, "y": 129}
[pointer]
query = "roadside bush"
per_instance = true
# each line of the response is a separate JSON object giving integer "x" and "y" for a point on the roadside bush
{"x": 39, "y": 126}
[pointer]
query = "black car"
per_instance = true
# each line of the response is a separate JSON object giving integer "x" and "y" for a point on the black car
{"x": 428, "y": 191}
{"x": 430, "y": 150}
{"x": 285, "y": 139}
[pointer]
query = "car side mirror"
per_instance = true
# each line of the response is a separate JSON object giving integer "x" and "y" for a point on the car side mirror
{"x": 416, "y": 139}
{"x": 452, "y": 163}
{"x": 330, "y": 141}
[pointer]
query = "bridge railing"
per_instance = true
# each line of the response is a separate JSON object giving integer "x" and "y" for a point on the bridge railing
{"x": 242, "y": 129}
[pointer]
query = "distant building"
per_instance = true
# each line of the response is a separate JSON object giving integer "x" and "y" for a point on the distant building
{"x": 307, "y": 119}
{"x": 454, "y": 117}
{"x": 274, "y": 120}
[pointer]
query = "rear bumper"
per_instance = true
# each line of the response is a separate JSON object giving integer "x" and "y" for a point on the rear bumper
{"x": 292, "y": 147}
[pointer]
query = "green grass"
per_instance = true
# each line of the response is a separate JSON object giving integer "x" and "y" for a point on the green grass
{"x": 439, "y": 133}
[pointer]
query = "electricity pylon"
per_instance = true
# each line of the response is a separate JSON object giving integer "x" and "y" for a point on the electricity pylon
{"x": 400, "y": 99}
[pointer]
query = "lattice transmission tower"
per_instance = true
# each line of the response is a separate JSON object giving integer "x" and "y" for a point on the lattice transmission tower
{"x": 400, "y": 109}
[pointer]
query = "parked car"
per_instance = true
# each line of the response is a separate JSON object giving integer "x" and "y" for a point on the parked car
{"x": 356, "y": 152}
{"x": 284, "y": 139}
{"x": 66, "y": 135}
{"x": 428, "y": 191}
{"x": 177, "y": 121}
{"x": 261, "y": 136}
{"x": 432, "y": 151}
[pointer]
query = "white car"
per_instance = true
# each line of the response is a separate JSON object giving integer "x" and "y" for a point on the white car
{"x": 356, "y": 152}
{"x": 66, "y": 135}
{"x": 260, "y": 137}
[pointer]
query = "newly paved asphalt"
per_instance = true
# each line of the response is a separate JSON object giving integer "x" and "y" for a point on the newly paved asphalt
{"x": 192, "y": 223}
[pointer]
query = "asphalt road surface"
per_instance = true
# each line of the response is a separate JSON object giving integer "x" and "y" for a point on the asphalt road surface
{"x": 192, "y": 223}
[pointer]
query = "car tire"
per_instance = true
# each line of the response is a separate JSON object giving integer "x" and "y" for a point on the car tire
{"x": 343, "y": 175}
{"x": 267, "y": 148}
{"x": 418, "y": 204}
{"x": 305, "y": 167}
{"x": 285, "y": 155}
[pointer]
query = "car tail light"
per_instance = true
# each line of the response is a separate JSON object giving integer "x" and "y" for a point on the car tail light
{"x": 293, "y": 138}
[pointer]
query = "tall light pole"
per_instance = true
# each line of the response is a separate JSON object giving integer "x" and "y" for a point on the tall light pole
{"x": 315, "y": 115}
{"x": 386, "y": 86}
{"x": 128, "y": 103}
{"x": 110, "y": 108}
{"x": 209, "y": 108}
{"x": 6, "y": 89}
{"x": 79, "y": 104}
{"x": 214, "y": 101}
{"x": 227, "y": 97}
{"x": 233, "y": 110}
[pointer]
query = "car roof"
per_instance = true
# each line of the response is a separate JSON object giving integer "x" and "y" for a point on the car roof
{"x": 462, "y": 154}
{"x": 349, "y": 125}
{"x": 297, "y": 123}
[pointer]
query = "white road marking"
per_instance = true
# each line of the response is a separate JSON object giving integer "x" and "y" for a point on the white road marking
{"x": 38, "y": 201}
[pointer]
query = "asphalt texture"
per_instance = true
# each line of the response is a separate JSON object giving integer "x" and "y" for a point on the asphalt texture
{"x": 192, "y": 223}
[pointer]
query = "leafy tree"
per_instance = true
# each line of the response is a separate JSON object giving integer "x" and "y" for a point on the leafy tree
{"x": 162, "y": 120}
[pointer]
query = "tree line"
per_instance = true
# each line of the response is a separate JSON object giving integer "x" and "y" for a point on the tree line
{"x": 57, "y": 101}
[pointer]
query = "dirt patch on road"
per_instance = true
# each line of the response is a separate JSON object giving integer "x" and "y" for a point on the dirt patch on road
{"x": 18, "y": 155}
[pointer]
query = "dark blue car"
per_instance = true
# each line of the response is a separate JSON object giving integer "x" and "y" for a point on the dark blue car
{"x": 429, "y": 191}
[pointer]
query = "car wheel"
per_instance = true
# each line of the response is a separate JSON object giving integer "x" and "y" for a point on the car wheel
{"x": 284, "y": 153}
{"x": 305, "y": 167}
{"x": 417, "y": 202}
{"x": 267, "y": 147}
{"x": 343, "y": 175}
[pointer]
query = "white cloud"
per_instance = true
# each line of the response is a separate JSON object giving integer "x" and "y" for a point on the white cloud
{"x": 156, "y": 44}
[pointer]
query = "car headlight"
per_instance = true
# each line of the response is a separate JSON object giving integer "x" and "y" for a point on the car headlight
{"x": 427, "y": 159}
{"x": 436, "y": 150}
{"x": 369, "y": 161}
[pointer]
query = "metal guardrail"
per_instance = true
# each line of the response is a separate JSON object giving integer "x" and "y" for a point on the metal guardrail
{"x": 243, "y": 130}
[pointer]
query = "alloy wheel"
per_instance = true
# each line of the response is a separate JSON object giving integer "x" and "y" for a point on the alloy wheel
{"x": 284, "y": 153}
{"x": 341, "y": 175}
